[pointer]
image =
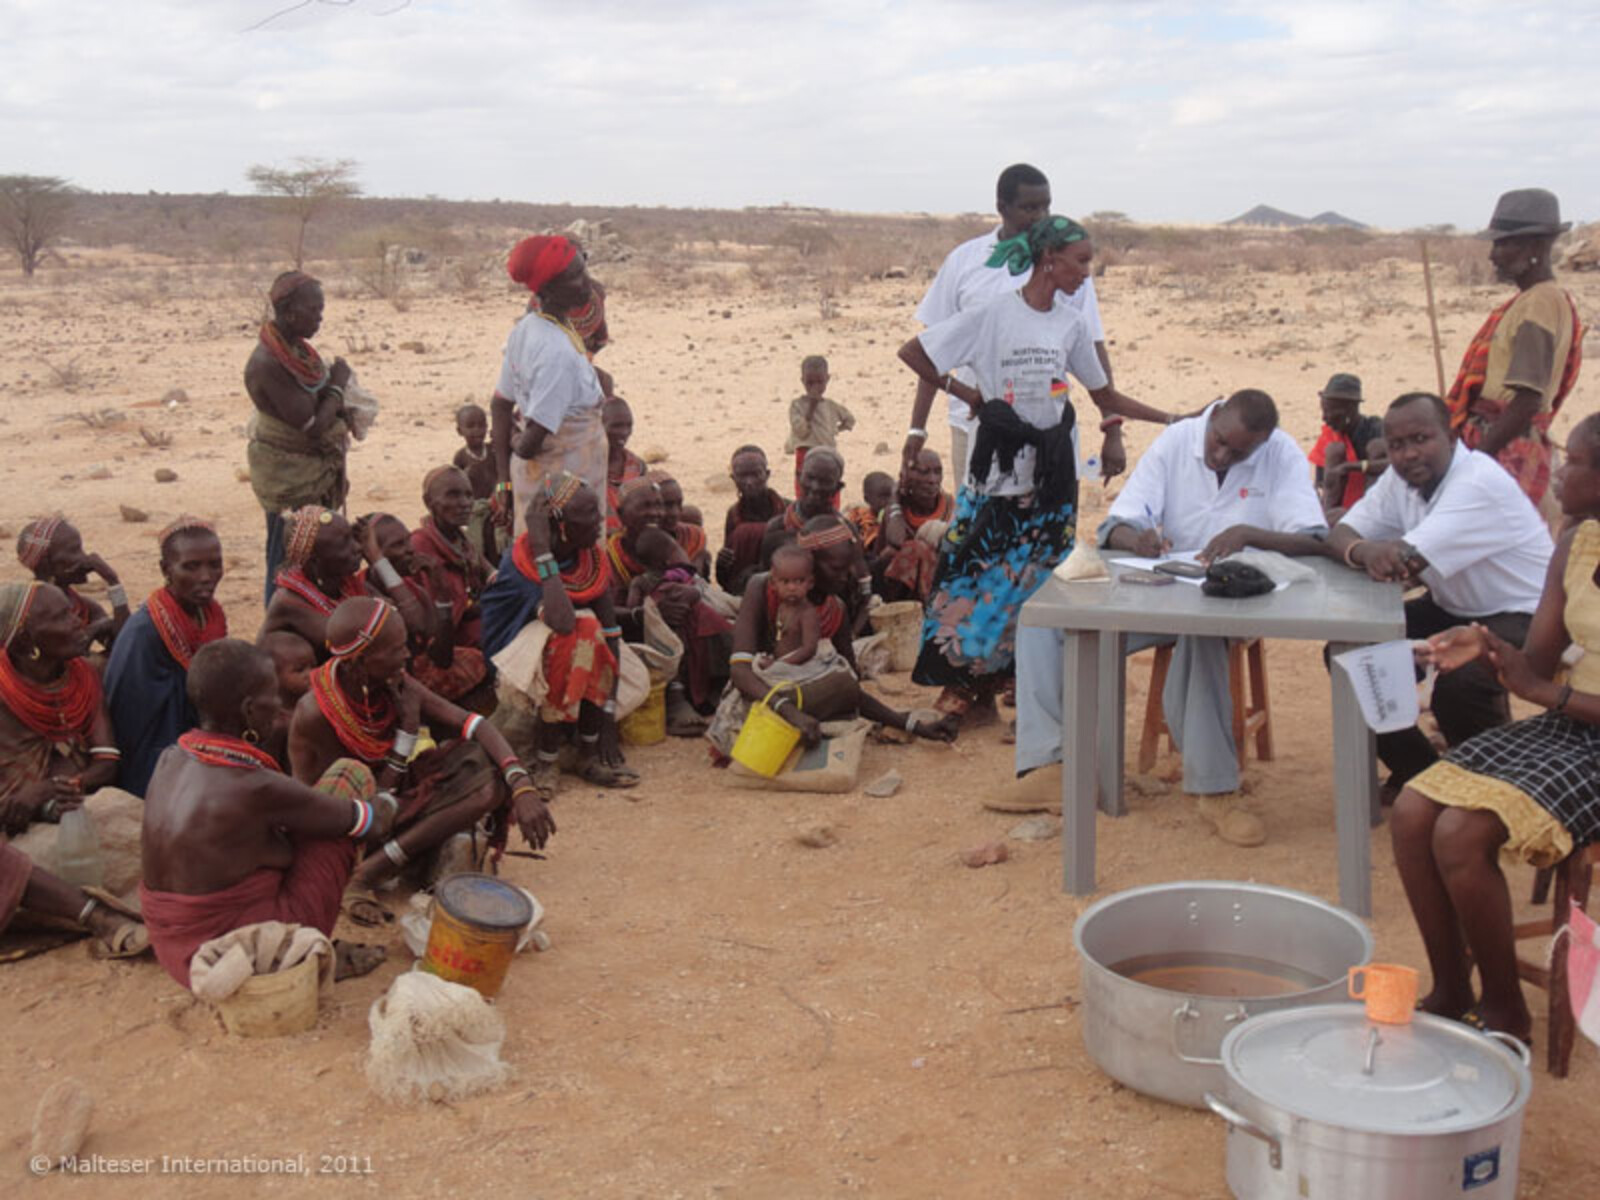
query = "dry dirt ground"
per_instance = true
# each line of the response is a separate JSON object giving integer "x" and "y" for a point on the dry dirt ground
{"x": 724, "y": 1011}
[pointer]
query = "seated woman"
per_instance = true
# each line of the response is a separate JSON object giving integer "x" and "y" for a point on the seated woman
{"x": 747, "y": 519}
{"x": 52, "y": 549}
{"x": 441, "y": 659}
{"x": 57, "y": 750}
{"x": 690, "y": 536}
{"x": 321, "y": 565}
{"x": 230, "y": 840}
{"x": 27, "y": 887}
{"x": 575, "y": 623}
{"x": 145, "y": 678}
{"x": 363, "y": 705}
{"x": 913, "y": 526}
{"x": 826, "y": 682}
{"x": 443, "y": 536}
{"x": 1529, "y": 790}
{"x": 622, "y": 464}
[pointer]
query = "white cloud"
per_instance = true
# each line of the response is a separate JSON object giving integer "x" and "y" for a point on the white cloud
{"x": 1399, "y": 113}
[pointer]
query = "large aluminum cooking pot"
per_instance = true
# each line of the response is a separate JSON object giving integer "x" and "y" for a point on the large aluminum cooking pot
{"x": 1322, "y": 1103}
{"x": 1166, "y": 1043}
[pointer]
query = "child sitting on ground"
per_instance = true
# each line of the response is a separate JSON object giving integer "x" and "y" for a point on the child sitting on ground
{"x": 472, "y": 423}
{"x": 814, "y": 420}
{"x": 795, "y": 620}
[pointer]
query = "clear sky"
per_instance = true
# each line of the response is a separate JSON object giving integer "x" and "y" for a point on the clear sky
{"x": 1397, "y": 113}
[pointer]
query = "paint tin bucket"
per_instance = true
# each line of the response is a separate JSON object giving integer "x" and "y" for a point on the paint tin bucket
{"x": 647, "y": 724}
{"x": 476, "y": 920}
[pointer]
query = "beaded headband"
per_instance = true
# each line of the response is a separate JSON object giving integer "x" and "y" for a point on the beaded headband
{"x": 15, "y": 601}
{"x": 300, "y": 533}
{"x": 820, "y": 539}
{"x": 35, "y": 541}
{"x": 433, "y": 477}
{"x": 634, "y": 485}
{"x": 560, "y": 489}
{"x": 184, "y": 524}
{"x": 366, "y": 635}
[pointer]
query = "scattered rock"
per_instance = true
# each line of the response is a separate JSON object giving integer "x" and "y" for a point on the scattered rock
{"x": 61, "y": 1121}
{"x": 133, "y": 515}
{"x": 166, "y": 475}
{"x": 6, "y": 532}
{"x": 655, "y": 454}
{"x": 884, "y": 785}
{"x": 817, "y": 837}
{"x": 155, "y": 438}
{"x": 986, "y": 855}
{"x": 896, "y": 273}
{"x": 727, "y": 314}
{"x": 242, "y": 474}
{"x": 890, "y": 736}
{"x": 1036, "y": 829}
{"x": 1147, "y": 785}
{"x": 414, "y": 347}
{"x": 882, "y": 448}
{"x": 100, "y": 472}
{"x": 175, "y": 397}
{"x": 377, "y": 492}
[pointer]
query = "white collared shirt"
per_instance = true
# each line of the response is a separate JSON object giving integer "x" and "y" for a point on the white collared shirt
{"x": 1172, "y": 487}
{"x": 964, "y": 282}
{"x": 1486, "y": 545}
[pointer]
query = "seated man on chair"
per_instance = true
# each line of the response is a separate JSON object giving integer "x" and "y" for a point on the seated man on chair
{"x": 1218, "y": 483}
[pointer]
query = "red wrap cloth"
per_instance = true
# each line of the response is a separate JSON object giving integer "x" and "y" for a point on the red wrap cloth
{"x": 535, "y": 261}
{"x": 15, "y": 869}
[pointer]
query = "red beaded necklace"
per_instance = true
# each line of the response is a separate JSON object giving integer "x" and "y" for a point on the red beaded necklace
{"x": 300, "y": 359}
{"x": 180, "y": 633}
{"x": 297, "y": 583}
{"x": 586, "y": 580}
{"x": 225, "y": 750}
{"x": 366, "y": 729}
{"x": 65, "y": 708}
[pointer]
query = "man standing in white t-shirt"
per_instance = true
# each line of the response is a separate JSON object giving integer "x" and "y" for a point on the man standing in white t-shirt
{"x": 1454, "y": 520}
{"x": 966, "y": 281}
{"x": 1215, "y": 484}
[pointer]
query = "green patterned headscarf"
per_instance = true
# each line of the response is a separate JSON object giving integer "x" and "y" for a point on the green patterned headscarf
{"x": 1019, "y": 253}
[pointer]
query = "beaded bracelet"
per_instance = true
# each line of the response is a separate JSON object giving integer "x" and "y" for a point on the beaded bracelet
{"x": 118, "y": 595}
{"x": 1111, "y": 423}
{"x": 611, "y": 631}
{"x": 105, "y": 753}
{"x": 741, "y": 656}
{"x": 363, "y": 822}
{"x": 393, "y": 852}
{"x": 399, "y": 764}
{"x": 469, "y": 727}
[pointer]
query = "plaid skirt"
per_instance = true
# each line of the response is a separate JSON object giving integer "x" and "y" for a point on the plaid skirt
{"x": 1542, "y": 776}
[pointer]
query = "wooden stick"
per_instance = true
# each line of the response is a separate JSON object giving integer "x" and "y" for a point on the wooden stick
{"x": 1433, "y": 318}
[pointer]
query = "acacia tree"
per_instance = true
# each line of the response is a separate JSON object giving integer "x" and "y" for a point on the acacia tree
{"x": 306, "y": 190}
{"x": 33, "y": 213}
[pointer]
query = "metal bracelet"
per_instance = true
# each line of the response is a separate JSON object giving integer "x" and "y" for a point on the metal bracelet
{"x": 393, "y": 852}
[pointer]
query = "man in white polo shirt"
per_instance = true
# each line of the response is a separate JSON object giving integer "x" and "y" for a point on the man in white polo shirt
{"x": 1454, "y": 520}
{"x": 1216, "y": 483}
{"x": 967, "y": 280}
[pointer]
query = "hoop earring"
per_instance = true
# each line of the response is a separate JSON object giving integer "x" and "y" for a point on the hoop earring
{"x": 33, "y": 655}
{"x": 251, "y": 736}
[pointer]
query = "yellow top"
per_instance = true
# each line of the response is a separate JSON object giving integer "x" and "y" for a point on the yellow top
{"x": 1582, "y": 615}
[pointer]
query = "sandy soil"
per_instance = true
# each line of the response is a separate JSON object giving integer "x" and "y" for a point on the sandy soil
{"x": 724, "y": 1011}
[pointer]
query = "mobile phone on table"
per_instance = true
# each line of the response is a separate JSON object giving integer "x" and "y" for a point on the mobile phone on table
{"x": 1182, "y": 570}
{"x": 1141, "y": 576}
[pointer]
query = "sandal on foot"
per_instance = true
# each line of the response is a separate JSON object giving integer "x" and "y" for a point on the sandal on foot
{"x": 127, "y": 939}
{"x": 362, "y": 907}
{"x": 603, "y": 775}
{"x": 354, "y": 959}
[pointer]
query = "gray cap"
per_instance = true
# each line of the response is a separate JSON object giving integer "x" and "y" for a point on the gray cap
{"x": 1526, "y": 212}
{"x": 1342, "y": 386}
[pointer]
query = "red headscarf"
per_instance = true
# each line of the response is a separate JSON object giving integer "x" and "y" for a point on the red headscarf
{"x": 535, "y": 261}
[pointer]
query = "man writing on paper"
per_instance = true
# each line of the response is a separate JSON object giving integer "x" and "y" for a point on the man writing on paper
{"x": 1452, "y": 519}
{"x": 1216, "y": 484}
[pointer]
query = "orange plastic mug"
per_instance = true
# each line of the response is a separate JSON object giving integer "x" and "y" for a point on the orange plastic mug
{"x": 1389, "y": 990}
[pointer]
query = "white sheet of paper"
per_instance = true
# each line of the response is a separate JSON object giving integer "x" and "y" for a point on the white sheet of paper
{"x": 1183, "y": 556}
{"x": 1385, "y": 680}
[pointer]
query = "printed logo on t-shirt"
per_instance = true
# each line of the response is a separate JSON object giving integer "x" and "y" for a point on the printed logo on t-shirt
{"x": 1010, "y": 393}
{"x": 1246, "y": 492}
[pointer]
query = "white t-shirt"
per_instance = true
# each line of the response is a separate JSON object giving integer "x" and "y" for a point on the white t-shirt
{"x": 964, "y": 283}
{"x": 1016, "y": 354}
{"x": 1172, "y": 487}
{"x": 544, "y": 375}
{"x": 1486, "y": 545}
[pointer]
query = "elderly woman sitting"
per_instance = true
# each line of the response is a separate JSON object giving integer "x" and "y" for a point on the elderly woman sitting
{"x": 825, "y": 687}
{"x": 1528, "y": 790}
{"x": 57, "y": 750}
{"x": 321, "y": 567}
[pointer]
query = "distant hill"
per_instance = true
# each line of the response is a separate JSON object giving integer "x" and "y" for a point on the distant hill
{"x": 1276, "y": 218}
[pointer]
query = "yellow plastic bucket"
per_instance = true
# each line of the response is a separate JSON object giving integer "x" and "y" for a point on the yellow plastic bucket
{"x": 273, "y": 1005}
{"x": 901, "y": 625}
{"x": 647, "y": 724}
{"x": 766, "y": 739}
{"x": 476, "y": 921}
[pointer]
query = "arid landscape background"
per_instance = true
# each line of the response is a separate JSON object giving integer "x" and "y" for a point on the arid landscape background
{"x": 725, "y": 1010}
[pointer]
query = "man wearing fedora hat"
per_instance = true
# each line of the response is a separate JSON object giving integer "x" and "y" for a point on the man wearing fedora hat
{"x": 1349, "y": 446}
{"x": 1523, "y": 363}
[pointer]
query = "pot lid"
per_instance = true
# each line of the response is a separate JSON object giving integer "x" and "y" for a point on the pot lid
{"x": 1329, "y": 1063}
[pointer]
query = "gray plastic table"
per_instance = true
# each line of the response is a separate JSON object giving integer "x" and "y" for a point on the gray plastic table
{"x": 1340, "y": 606}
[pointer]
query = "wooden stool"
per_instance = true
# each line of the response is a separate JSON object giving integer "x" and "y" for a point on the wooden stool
{"x": 1572, "y": 876}
{"x": 1252, "y": 712}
